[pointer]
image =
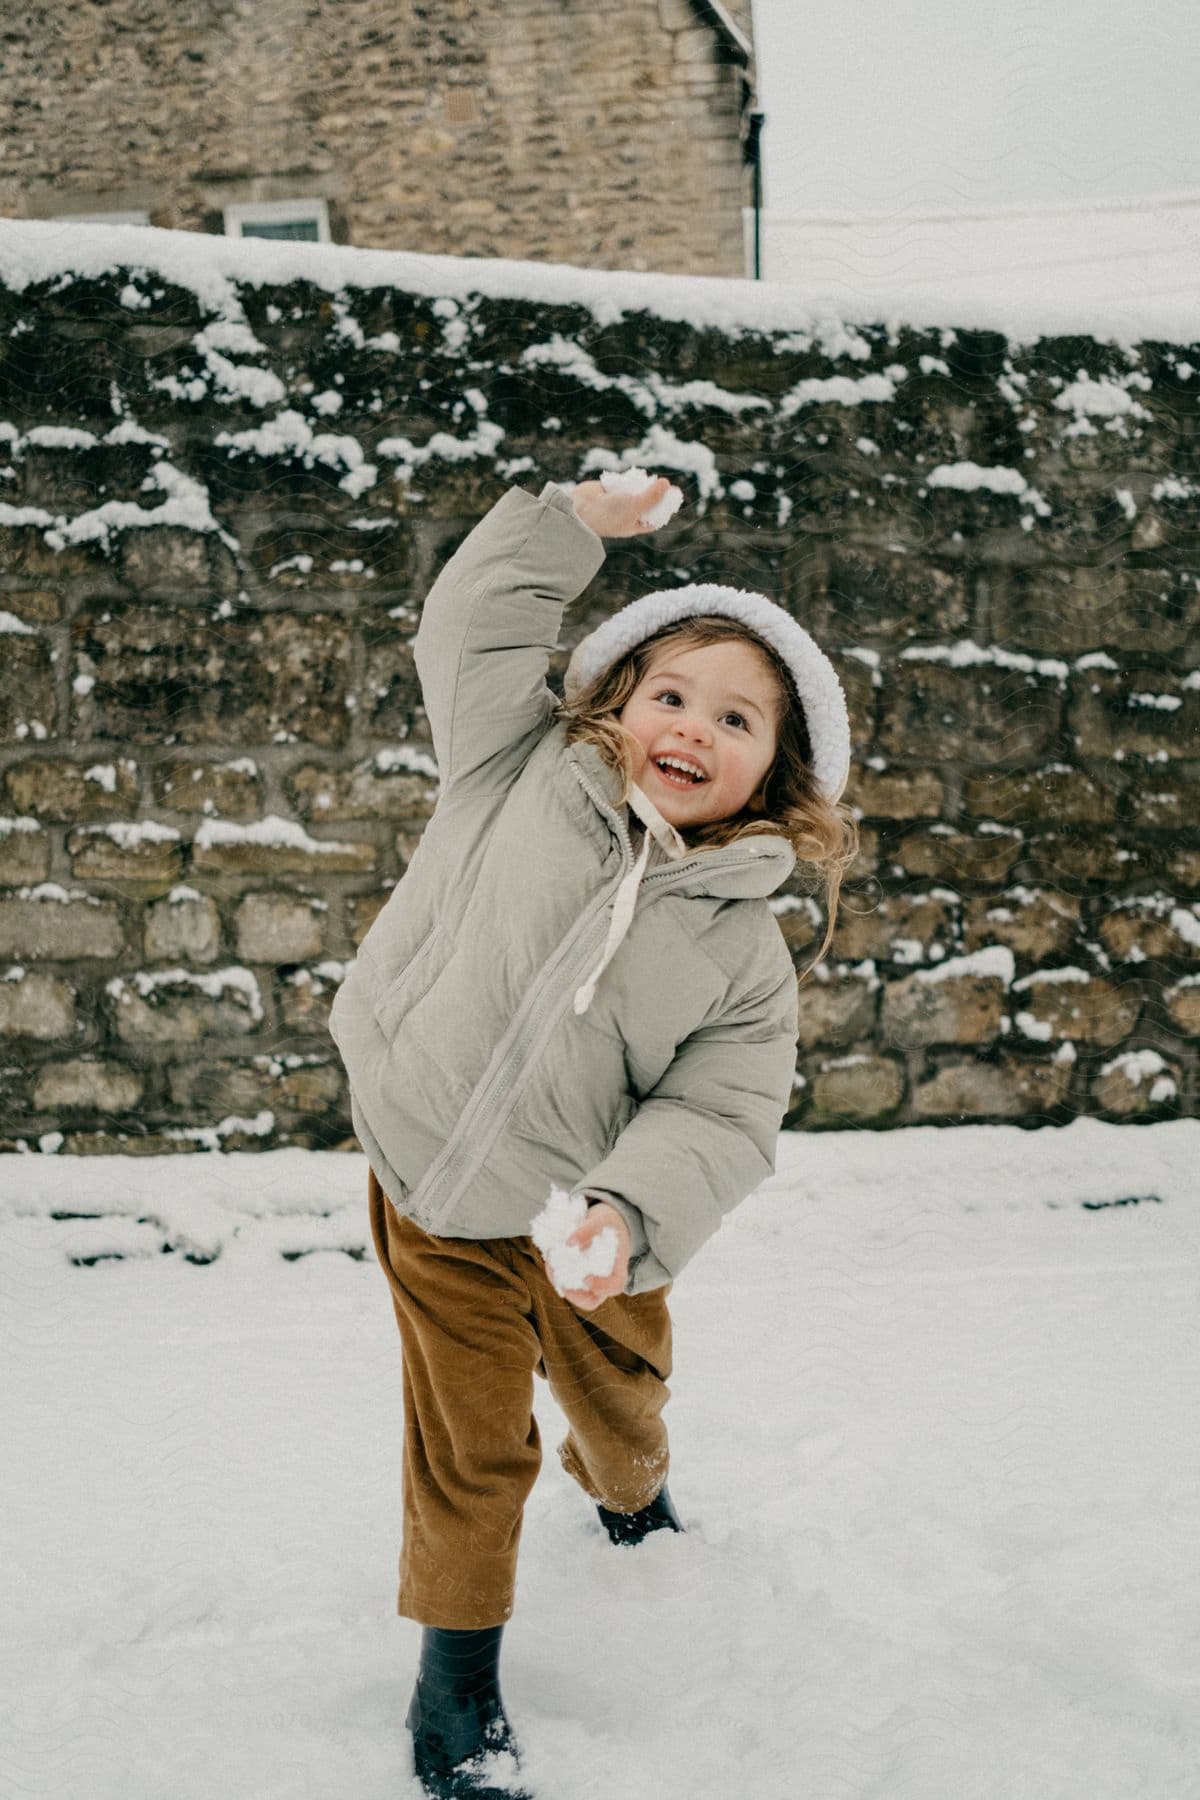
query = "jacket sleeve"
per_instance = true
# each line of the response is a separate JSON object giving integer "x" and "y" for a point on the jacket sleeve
{"x": 488, "y": 626}
{"x": 705, "y": 1136}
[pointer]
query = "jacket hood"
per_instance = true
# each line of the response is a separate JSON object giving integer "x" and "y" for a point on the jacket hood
{"x": 814, "y": 678}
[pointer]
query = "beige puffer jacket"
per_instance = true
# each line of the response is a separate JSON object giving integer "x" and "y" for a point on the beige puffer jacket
{"x": 484, "y": 1066}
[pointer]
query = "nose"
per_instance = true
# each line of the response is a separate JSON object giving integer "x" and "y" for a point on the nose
{"x": 691, "y": 725}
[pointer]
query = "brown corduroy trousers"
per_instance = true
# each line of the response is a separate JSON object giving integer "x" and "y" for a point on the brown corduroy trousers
{"x": 479, "y": 1318}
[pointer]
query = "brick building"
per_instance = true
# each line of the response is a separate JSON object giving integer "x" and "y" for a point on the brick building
{"x": 606, "y": 133}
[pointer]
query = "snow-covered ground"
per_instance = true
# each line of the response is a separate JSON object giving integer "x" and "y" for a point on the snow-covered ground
{"x": 934, "y": 1436}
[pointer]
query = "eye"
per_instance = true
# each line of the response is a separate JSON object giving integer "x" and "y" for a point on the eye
{"x": 671, "y": 694}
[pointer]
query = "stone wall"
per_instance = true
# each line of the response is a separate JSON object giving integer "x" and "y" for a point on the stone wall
{"x": 215, "y": 536}
{"x": 605, "y": 133}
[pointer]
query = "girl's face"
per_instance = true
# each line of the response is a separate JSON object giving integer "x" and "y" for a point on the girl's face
{"x": 713, "y": 706}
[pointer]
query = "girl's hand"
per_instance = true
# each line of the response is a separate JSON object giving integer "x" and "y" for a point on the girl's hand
{"x": 614, "y": 514}
{"x": 598, "y": 1288}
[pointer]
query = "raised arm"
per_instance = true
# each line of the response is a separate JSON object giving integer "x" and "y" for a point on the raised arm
{"x": 488, "y": 626}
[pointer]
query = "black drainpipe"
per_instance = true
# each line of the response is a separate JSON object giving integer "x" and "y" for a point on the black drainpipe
{"x": 754, "y": 155}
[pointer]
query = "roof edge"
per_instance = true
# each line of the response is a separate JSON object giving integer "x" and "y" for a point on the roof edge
{"x": 731, "y": 35}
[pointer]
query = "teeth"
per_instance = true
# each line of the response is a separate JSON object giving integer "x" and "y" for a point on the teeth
{"x": 675, "y": 762}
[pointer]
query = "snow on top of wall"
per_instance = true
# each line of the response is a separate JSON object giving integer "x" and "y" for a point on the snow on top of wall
{"x": 994, "y": 962}
{"x": 966, "y": 653}
{"x": 186, "y": 506}
{"x": 1120, "y": 269}
{"x": 650, "y": 395}
{"x": 1091, "y": 269}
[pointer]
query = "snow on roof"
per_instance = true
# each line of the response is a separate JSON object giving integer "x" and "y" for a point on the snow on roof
{"x": 1128, "y": 269}
{"x": 946, "y": 270}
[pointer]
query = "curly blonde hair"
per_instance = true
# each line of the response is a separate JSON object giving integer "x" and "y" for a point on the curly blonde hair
{"x": 787, "y": 804}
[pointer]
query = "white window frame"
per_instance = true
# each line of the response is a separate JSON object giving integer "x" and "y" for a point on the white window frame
{"x": 276, "y": 212}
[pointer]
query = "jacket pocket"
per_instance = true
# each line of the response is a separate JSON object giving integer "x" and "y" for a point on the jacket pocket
{"x": 406, "y": 987}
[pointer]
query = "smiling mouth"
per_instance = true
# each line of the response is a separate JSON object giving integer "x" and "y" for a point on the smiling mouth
{"x": 676, "y": 777}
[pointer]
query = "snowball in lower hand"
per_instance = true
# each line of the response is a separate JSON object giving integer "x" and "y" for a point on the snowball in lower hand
{"x": 632, "y": 481}
{"x": 568, "y": 1266}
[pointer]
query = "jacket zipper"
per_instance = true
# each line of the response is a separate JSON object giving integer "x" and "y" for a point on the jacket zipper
{"x": 524, "y": 1039}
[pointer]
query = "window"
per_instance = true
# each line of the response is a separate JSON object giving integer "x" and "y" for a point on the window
{"x": 304, "y": 220}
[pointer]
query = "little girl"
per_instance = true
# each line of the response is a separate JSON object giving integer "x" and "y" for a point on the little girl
{"x": 577, "y": 983}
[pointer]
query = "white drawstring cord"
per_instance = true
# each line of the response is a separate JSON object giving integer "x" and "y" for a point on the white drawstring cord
{"x": 626, "y": 899}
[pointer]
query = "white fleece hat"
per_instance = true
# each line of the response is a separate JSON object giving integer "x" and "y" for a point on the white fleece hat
{"x": 815, "y": 678}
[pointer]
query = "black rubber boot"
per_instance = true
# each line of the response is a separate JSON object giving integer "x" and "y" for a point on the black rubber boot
{"x": 630, "y": 1528}
{"x": 457, "y": 1717}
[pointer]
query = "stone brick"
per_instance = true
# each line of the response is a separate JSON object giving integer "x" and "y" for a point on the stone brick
{"x": 392, "y": 705}
{"x": 890, "y": 596}
{"x": 800, "y": 922}
{"x": 1070, "y": 610}
{"x": 866, "y": 862}
{"x": 34, "y": 1004}
{"x": 858, "y": 683}
{"x": 1003, "y": 1090}
{"x": 1164, "y": 806}
{"x": 894, "y": 793}
{"x": 186, "y": 924}
{"x": 1138, "y": 1082}
{"x": 940, "y": 851}
{"x": 856, "y": 1090}
{"x": 24, "y": 851}
{"x": 46, "y": 923}
{"x": 35, "y": 606}
{"x": 900, "y": 928}
{"x": 1168, "y": 520}
{"x": 279, "y": 928}
{"x": 171, "y": 560}
{"x": 836, "y": 1006}
{"x": 1181, "y": 867}
{"x": 24, "y": 552}
{"x": 380, "y": 789}
{"x": 142, "y": 851}
{"x": 306, "y": 996}
{"x": 1183, "y": 1005}
{"x": 954, "y": 1003}
{"x": 86, "y": 1085}
{"x": 1067, "y": 609}
{"x": 56, "y": 788}
{"x": 1152, "y": 926}
{"x": 1082, "y": 517}
{"x": 1071, "y": 856}
{"x": 130, "y": 1143}
{"x": 229, "y": 790}
{"x": 1032, "y": 923}
{"x": 1070, "y": 1003}
{"x": 171, "y": 1006}
{"x": 1144, "y": 712}
{"x": 28, "y": 710}
{"x": 164, "y": 675}
{"x": 981, "y": 713}
{"x": 1057, "y": 792}
{"x": 363, "y": 910}
{"x": 292, "y": 1084}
